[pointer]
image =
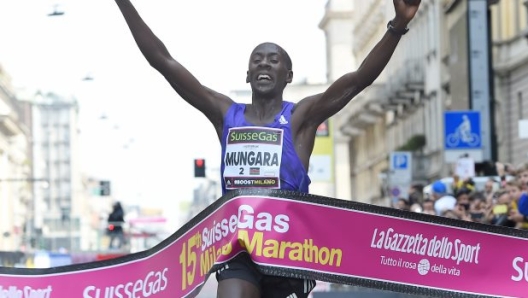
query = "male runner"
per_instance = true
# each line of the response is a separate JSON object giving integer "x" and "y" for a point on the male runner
{"x": 282, "y": 156}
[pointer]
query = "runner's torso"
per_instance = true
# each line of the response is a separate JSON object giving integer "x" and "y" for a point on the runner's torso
{"x": 260, "y": 156}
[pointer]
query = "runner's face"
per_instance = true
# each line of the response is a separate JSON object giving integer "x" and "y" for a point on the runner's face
{"x": 268, "y": 72}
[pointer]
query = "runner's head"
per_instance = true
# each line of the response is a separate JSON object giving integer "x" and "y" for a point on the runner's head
{"x": 269, "y": 70}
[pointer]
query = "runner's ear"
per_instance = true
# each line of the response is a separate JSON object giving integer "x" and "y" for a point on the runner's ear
{"x": 289, "y": 76}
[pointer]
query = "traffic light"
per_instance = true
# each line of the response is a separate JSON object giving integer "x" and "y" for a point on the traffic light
{"x": 199, "y": 168}
{"x": 104, "y": 188}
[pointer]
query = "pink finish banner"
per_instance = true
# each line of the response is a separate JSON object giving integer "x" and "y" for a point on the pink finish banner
{"x": 307, "y": 238}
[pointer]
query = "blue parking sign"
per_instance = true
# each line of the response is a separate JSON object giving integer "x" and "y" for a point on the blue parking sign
{"x": 400, "y": 160}
{"x": 462, "y": 130}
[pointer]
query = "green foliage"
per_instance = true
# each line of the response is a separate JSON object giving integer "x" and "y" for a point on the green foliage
{"x": 415, "y": 143}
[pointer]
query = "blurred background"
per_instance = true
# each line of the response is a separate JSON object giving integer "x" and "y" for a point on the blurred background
{"x": 86, "y": 124}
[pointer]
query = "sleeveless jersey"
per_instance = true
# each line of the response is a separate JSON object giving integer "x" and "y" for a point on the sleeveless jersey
{"x": 260, "y": 156}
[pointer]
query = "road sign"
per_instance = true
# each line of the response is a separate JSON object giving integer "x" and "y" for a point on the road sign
{"x": 462, "y": 130}
{"x": 400, "y": 168}
{"x": 465, "y": 168}
{"x": 400, "y": 161}
{"x": 395, "y": 191}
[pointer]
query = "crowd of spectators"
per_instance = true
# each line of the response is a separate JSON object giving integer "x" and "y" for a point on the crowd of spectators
{"x": 502, "y": 201}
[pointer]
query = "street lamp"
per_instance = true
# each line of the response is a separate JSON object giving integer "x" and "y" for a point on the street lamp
{"x": 56, "y": 12}
{"x": 88, "y": 77}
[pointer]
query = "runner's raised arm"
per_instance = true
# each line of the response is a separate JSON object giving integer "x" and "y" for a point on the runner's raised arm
{"x": 212, "y": 104}
{"x": 315, "y": 109}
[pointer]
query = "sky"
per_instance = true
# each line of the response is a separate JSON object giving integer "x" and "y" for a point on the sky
{"x": 134, "y": 129}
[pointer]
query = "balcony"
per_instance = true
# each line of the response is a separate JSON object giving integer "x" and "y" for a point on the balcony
{"x": 9, "y": 111}
{"x": 405, "y": 87}
{"x": 363, "y": 111}
{"x": 400, "y": 95}
{"x": 367, "y": 22}
{"x": 9, "y": 127}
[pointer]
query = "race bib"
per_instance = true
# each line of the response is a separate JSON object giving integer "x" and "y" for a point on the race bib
{"x": 253, "y": 157}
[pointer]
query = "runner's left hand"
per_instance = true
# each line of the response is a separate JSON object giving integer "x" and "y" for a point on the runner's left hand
{"x": 405, "y": 11}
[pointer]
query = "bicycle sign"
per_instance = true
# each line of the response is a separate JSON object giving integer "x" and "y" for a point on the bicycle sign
{"x": 462, "y": 130}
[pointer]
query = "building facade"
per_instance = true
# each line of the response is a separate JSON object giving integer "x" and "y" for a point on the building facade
{"x": 15, "y": 170}
{"x": 401, "y": 108}
{"x": 508, "y": 26}
{"x": 427, "y": 75}
{"x": 510, "y": 44}
{"x": 58, "y": 206}
{"x": 337, "y": 26}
